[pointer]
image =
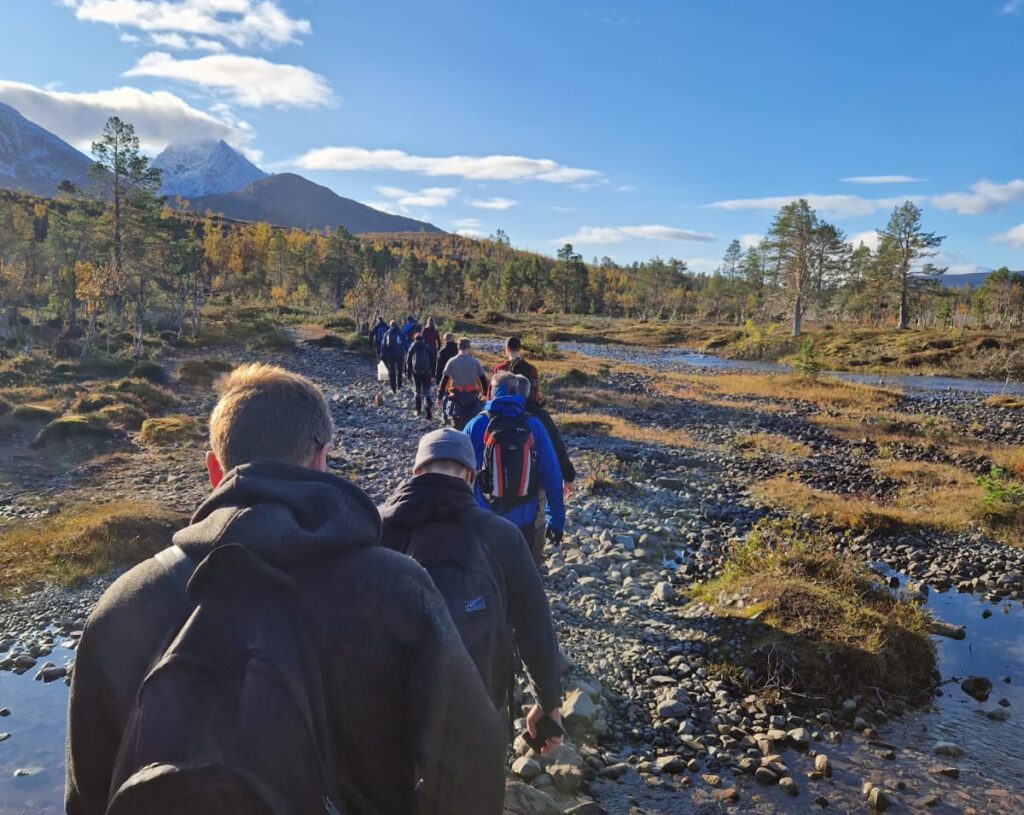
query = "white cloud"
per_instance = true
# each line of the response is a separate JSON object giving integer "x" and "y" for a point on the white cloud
{"x": 248, "y": 81}
{"x": 244, "y": 23}
{"x": 883, "y": 179}
{"x": 171, "y": 40}
{"x": 843, "y": 206}
{"x": 477, "y": 168}
{"x": 985, "y": 195}
{"x": 702, "y": 265}
{"x": 500, "y": 204}
{"x": 868, "y": 238}
{"x": 750, "y": 240}
{"x": 159, "y": 118}
{"x": 617, "y": 234}
{"x": 467, "y": 223}
{"x": 214, "y": 47}
{"x": 1013, "y": 236}
{"x": 1012, "y": 7}
{"x": 430, "y": 197}
{"x": 469, "y": 233}
{"x": 131, "y": 39}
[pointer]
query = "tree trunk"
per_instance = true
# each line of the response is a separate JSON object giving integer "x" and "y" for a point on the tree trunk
{"x": 904, "y": 317}
{"x": 798, "y": 314}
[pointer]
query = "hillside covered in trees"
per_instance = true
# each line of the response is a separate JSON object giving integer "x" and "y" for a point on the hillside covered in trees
{"x": 134, "y": 261}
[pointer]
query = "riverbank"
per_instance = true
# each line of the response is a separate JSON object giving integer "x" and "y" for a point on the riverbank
{"x": 669, "y": 462}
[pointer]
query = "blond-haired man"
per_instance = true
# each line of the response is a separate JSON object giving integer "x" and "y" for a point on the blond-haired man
{"x": 409, "y": 724}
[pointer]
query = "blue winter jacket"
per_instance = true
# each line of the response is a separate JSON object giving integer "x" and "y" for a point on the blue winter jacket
{"x": 400, "y": 349}
{"x": 379, "y": 330}
{"x": 409, "y": 329}
{"x": 549, "y": 471}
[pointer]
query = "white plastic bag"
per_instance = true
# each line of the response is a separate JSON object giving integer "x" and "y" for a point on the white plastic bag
{"x": 382, "y": 372}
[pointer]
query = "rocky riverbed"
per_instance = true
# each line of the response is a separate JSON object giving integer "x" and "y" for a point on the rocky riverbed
{"x": 656, "y": 725}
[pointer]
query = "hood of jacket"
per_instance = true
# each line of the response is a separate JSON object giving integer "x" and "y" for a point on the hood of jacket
{"x": 284, "y": 513}
{"x": 427, "y": 497}
{"x": 504, "y": 405}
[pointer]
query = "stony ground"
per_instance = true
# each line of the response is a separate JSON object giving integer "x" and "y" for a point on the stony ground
{"x": 655, "y": 728}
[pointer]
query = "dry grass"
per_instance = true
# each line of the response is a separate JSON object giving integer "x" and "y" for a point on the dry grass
{"x": 1006, "y": 400}
{"x": 616, "y": 427}
{"x": 201, "y": 373}
{"x": 825, "y": 626}
{"x": 934, "y": 496}
{"x": 169, "y": 430}
{"x": 773, "y": 444}
{"x": 68, "y": 432}
{"x": 83, "y": 541}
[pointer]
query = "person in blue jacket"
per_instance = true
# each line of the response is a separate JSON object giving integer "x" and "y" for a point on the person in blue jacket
{"x": 410, "y": 329}
{"x": 509, "y": 393}
{"x": 377, "y": 333}
{"x": 393, "y": 348}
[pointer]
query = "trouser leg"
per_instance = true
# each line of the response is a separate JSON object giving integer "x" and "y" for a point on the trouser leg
{"x": 394, "y": 374}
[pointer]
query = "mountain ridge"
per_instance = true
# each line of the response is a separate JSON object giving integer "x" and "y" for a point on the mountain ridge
{"x": 34, "y": 160}
{"x": 204, "y": 168}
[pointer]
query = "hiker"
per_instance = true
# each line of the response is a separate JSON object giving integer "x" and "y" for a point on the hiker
{"x": 568, "y": 468}
{"x": 484, "y": 569}
{"x": 516, "y": 459}
{"x": 450, "y": 349}
{"x": 377, "y": 334}
{"x": 431, "y": 336}
{"x": 288, "y": 591}
{"x": 514, "y": 363}
{"x": 392, "y": 354}
{"x": 410, "y": 328}
{"x": 464, "y": 380}
{"x": 419, "y": 366}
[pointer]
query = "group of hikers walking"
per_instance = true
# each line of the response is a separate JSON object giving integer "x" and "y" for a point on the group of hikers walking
{"x": 299, "y": 650}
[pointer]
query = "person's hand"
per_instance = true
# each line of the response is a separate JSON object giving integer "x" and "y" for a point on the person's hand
{"x": 535, "y": 715}
{"x": 568, "y": 488}
{"x": 554, "y": 535}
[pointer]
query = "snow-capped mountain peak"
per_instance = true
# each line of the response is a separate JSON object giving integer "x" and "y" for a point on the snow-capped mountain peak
{"x": 209, "y": 168}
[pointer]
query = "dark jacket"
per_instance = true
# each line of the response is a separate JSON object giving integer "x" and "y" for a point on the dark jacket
{"x": 548, "y": 468}
{"x": 432, "y": 498}
{"x": 431, "y": 337}
{"x": 450, "y": 350}
{"x": 410, "y": 358}
{"x": 396, "y": 354}
{"x": 377, "y": 334}
{"x": 406, "y": 700}
{"x": 568, "y": 469}
{"x": 523, "y": 368}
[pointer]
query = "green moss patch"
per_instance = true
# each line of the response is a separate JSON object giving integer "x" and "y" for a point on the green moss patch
{"x": 169, "y": 430}
{"x": 71, "y": 430}
{"x": 35, "y": 413}
{"x": 200, "y": 373}
{"x": 151, "y": 398}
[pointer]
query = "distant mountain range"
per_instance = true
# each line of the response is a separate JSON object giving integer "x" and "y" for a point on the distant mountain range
{"x": 212, "y": 176}
{"x": 287, "y": 199}
{"x": 962, "y": 281}
{"x": 34, "y": 160}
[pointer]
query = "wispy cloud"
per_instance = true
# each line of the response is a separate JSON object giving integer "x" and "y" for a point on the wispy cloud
{"x": 160, "y": 118}
{"x": 883, "y": 179}
{"x": 589, "y": 235}
{"x": 498, "y": 203}
{"x": 1012, "y": 7}
{"x": 843, "y": 206}
{"x": 477, "y": 168}
{"x": 1013, "y": 236}
{"x": 247, "y": 81}
{"x": 244, "y": 23}
{"x": 868, "y": 238}
{"x": 429, "y": 197}
{"x": 750, "y": 239}
{"x": 702, "y": 265}
{"x": 984, "y": 196}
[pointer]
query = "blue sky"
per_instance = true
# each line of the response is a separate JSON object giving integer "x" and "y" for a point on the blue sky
{"x": 629, "y": 128}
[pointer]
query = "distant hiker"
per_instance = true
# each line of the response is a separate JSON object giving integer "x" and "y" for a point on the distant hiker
{"x": 410, "y": 328}
{"x": 516, "y": 459}
{"x": 482, "y": 566}
{"x": 450, "y": 349}
{"x": 431, "y": 336}
{"x": 515, "y": 364}
{"x": 464, "y": 380}
{"x": 377, "y": 333}
{"x": 305, "y": 669}
{"x": 420, "y": 363}
{"x": 392, "y": 354}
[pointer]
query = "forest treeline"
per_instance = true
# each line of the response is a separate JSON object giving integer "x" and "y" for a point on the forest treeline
{"x": 130, "y": 260}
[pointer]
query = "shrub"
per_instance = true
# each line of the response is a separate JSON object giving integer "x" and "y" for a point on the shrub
{"x": 92, "y": 402}
{"x": 169, "y": 430}
{"x": 150, "y": 397}
{"x": 806, "y": 363}
{"x": 98, "y": 363}
{"x": 73, "y": 429}
{"x": 35, "y": 413}
{"x": 200, "y": 373}
{"x": 150, "y": 371}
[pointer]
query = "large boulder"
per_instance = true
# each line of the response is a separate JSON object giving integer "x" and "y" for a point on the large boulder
{"x": 522, "y": 799}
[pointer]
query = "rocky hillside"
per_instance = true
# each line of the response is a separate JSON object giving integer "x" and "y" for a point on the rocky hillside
{"x": 35, "y": 160}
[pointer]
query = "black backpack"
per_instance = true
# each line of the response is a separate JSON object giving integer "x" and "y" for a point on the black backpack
{"x": 473, "y": 586}
{"x": 232, "y": 717}
{"x": 393, "y": 341}
{"x": 509, "y": 474}
{"x": 421, "y": 359}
